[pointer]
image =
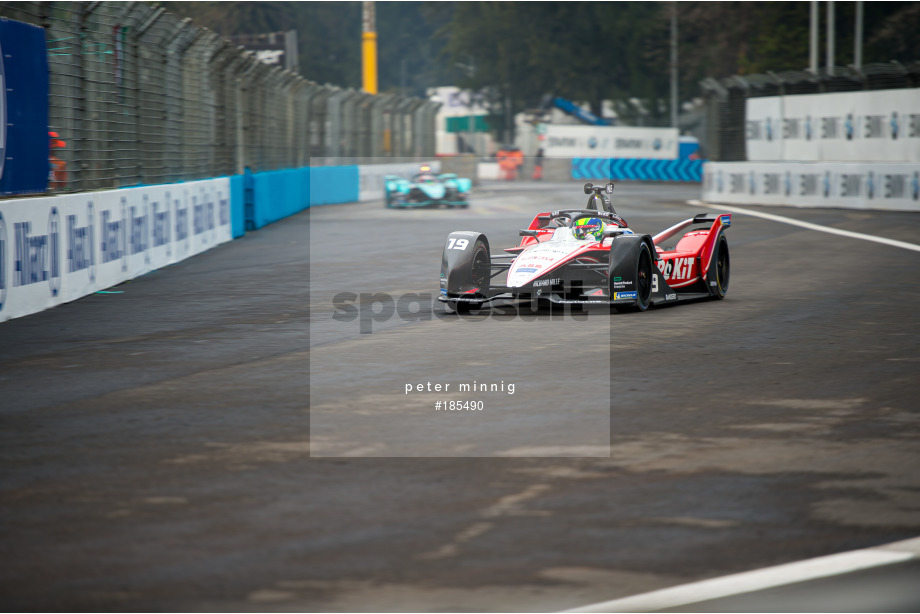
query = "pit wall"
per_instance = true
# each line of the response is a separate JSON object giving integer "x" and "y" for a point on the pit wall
{"x": 57, "y": 249}
{"x": 847, "y": 185}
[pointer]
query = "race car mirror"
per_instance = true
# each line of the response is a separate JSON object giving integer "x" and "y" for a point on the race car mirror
{"x": 589, "y": 187}
{"x": 612, "y": 231}
{"x": 609, "y": 188}
{"x": 527, "y": 233}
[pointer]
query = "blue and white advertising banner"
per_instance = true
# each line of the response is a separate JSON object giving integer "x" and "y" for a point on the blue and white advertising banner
{"x": 610, "y": 142}
{"x": 868, "y": 126}
{"x": 818, "y": 184}
{"x": 57, "y": 249}
{"x": 23, "y": 108}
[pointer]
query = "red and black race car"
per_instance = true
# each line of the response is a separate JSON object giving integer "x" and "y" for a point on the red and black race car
{"x": 590, "y": 256}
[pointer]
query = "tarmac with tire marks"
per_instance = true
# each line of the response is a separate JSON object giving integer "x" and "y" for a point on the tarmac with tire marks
{"x": 155, "y": 446}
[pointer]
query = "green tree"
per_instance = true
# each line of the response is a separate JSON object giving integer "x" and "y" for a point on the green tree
{"x": 497, "y": 38}
{"x": 583, "y": 51}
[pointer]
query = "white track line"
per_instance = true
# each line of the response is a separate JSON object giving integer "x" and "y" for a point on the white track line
{"x": 808, "y": 225}
{"x": 760, "y": 579}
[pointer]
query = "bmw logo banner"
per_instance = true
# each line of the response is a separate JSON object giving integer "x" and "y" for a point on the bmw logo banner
{"x": 863, "y": 126}
{"x": 826, "y": 184}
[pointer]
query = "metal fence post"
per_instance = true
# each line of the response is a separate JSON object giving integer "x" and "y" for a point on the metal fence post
{"x": 334, "y": 124}
{"x": 242, "y": 110}
{"x": 318, "y": 126}
{"x": 378, "y": 124}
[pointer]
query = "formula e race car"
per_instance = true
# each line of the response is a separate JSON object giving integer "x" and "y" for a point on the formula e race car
{"x": 590, "y": 256}
{"x": 426, "y": 189}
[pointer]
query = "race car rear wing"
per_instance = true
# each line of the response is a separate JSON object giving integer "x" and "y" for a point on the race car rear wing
{"x": 701, "y": 218}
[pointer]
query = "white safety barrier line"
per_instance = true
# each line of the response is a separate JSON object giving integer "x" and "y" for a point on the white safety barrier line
{"x": 769, "y": 577}
{"x": 808, "y": 225}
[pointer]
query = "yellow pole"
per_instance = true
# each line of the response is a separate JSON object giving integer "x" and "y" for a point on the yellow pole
{"x": 369, "y": 48}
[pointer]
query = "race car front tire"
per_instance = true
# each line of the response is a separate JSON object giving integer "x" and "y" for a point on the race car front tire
{"x": 720, "y": 269}
{"x": 480, "y": 268}
{"x": 466, "y": 268}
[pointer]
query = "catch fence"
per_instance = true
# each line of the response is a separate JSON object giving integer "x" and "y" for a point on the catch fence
{"x": 141, "y": 96}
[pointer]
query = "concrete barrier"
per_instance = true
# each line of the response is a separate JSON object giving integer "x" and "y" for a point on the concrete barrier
{"x": 274, "y": 195}
{"x": 57, "y": 249}
{"x": 638, "y": 169}
{"x": 601, "y": 169}
{"x": 847, "y": 185}
{"x": 462, "y": 166}
{"x": 333, "y": 184}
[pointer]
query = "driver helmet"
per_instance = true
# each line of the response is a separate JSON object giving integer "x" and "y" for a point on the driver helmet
{"x": 425, "y": 174}
{"x": 588, "y": 227}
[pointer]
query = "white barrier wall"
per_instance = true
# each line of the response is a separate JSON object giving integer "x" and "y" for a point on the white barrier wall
{"x": 371, "y": 176}
{"x": 57, "y": 249}
{"x": 871, "y": 126}
{"x": 610, "y": 142}
{"x": 818, "y": 184}
{"x": 488, "y": 170}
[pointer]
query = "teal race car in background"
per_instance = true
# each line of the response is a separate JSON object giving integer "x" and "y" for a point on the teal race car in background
{"x": 426, "y": 189}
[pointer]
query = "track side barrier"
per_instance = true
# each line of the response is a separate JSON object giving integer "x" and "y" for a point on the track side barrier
{"x": 845, "y": 185}
{"x": 57, "y": 249}
{"x": 331, "y": 185}
{"x": 638, "y": 169}
{"x": 264, "y": 198}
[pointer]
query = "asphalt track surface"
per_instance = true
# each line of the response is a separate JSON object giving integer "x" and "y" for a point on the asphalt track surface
{"x": 155, "y": 443}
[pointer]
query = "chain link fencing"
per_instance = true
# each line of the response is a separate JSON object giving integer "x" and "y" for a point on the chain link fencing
{"x": 141, "y": 96}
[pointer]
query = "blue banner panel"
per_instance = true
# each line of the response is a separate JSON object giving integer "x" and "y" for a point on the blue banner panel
{"x": 277, "y": 195}
{"x": 23, "y": 108}
{"x": 259, "y": 199}
{"x": 334, "y": 185}
{"x": 638, "y": 169}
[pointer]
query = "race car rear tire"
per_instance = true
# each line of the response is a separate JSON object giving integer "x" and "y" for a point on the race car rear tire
{"x": 481, "y": 264}
{"x": 722, "y": 271}
{"x": 644, "y": 266}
